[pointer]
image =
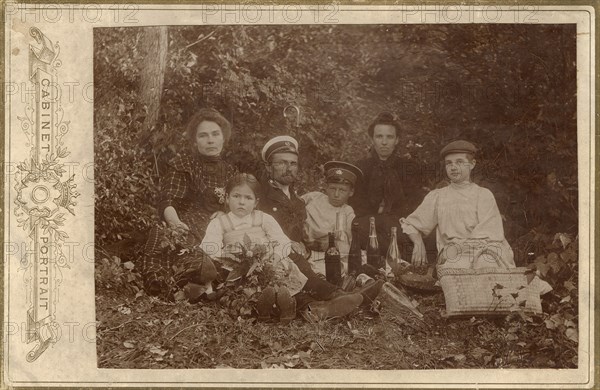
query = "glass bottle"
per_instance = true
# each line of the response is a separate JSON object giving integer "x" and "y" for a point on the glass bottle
{"x": 355, "y": 255}
{"x": 342, "y": 242}
{"x": 393, "y": 253}
{"x": 333, "y": 265}
{"x": 373, "y": 254}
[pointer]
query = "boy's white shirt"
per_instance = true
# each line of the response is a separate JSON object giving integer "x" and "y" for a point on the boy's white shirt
{"x": 212, "y": 243}
{"x": 321, "y": 216}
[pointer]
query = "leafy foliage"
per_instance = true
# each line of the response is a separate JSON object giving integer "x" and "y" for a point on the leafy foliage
{"x": 511, "y": 89}
{"x": 508, "y": 88}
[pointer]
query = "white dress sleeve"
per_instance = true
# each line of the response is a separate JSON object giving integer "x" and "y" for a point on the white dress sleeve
{"x": 425, "y": 218}
{"x": 489, "y": 225}
{"x": 276, "y": 235}
{"x": 212, "y": 243}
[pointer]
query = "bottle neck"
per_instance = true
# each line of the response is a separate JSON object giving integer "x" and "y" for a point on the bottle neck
{"x": 372, "y": 230}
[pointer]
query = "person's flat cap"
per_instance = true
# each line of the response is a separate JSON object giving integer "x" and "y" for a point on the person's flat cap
{"x": 459, "y": 146}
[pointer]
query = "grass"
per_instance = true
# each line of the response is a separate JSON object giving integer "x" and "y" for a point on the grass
{"x": 137, "y": 331}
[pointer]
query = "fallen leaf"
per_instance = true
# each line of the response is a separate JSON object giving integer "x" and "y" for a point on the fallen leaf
{"x": 553, "y": 262}
{"x": 179, "y": 296}
{"x": 460, "y": 357}
{"x": 572, "y": 334}
{"x": 543, "y": 269}
{"x": 158, "y": 351}
{"x": 167, "y": 322}
{"x": 521, "y": 344}
{"x": 477, "y": 352}
{"x": 124, "y": 310}
{"x": 570, "y": 324}
{"x": 570, "y": 255}
{"x": 550, "y": 324}
{"x": 139, "y": 294}
{"x": 128, "y": 265}
{"x": 487, "y": 359}
{"x": 511, "y": 337}
{"x": 127, "y": 344}
{"x": 569, "y": 286}
{"x": 566, "y": 299}
{"x": 565, "y": 239}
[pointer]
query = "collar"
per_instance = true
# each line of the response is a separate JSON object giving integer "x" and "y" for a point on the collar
{"x": 206, "y": 159}
{"x": 237, "y": 221}
{"x": 461, "y": 186}
{"x": 390, "y": 160}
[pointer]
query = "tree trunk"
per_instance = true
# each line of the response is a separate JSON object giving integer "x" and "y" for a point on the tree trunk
{"x": 153, "y": 48}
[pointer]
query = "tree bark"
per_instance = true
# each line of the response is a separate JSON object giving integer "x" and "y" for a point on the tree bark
{"x": 153, "y": 49}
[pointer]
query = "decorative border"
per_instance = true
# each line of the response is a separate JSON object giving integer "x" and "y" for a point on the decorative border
{"x": 43, "y": 194}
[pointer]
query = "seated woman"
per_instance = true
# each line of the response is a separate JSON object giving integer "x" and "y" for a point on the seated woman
{"x": 225, "y": 234}
{"x": 464, "y": 215}
{"x": 191, "y": 192}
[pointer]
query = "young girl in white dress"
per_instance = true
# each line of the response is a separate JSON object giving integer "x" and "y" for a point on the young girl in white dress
{"x": 225, "y": 234}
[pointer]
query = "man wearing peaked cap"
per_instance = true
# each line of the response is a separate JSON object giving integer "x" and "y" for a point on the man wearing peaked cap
{"x": 280, "y": 156}
{"x": 322, "y": 208}
{"x": 279, "y": 144}
{"x": 279, "y": 199}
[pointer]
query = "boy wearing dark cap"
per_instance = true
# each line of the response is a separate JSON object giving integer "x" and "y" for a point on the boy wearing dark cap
{"x": 322, "y": 208}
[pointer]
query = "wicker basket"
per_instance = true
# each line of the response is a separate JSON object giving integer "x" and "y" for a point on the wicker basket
{"x": 487, "y": 291}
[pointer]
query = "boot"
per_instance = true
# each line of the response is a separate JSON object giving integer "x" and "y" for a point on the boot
{"x": 265, "y": 303}
{"x": 286, "y": 305}
{"x": 339, "y": 306}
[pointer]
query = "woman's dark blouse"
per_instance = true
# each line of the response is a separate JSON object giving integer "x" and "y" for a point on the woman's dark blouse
{"x": 397, "y": 181}
{"x": 195, "y": 186}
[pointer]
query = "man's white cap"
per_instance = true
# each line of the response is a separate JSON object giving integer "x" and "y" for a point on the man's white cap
{"x": 279, "y": 144}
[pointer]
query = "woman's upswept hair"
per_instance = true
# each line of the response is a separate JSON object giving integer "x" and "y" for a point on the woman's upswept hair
{"x": 210, "y": 115}
{"x": 384, "y": 118}
{"x": 241, "y": 179}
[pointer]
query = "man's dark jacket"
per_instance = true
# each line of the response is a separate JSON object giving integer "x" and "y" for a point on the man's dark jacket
{"x": 290, "y": 213}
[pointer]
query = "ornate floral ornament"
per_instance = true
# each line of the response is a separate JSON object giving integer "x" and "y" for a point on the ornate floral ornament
{"x": 220, "y": 193}
{"x": 43, "y": 194}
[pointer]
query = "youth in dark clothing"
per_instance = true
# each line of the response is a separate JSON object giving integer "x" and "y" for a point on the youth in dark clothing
{"x": 391, "y": 186}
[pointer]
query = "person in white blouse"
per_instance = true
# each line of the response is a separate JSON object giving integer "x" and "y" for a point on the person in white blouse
{"x": 465, "y": 217}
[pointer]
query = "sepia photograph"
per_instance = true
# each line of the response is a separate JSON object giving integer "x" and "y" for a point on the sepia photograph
{"x": 349, "y": 196}
{"x": 325, "y": 195}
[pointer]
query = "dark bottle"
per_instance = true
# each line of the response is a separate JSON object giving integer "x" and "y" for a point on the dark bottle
{"x": 354, "y": 255}
{"x": 373, "y": 255}
{"x": 333, "y": 265}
